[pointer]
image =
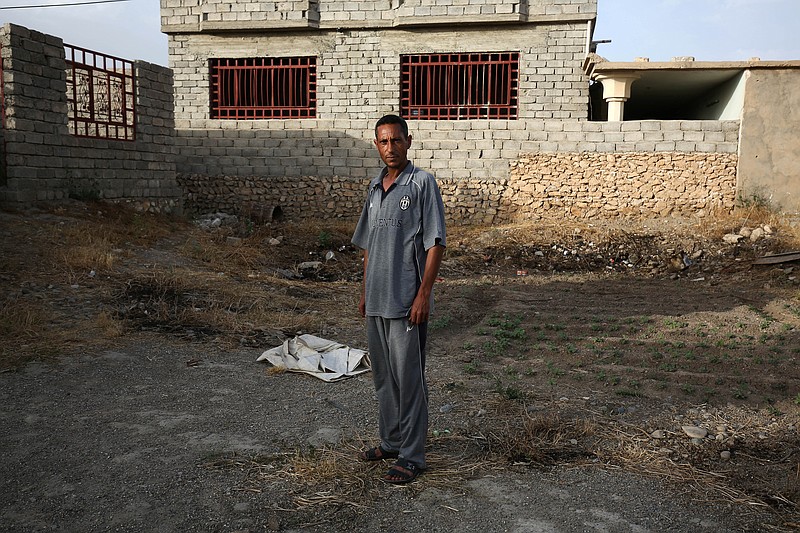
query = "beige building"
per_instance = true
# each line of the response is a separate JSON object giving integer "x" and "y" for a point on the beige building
{"x": 269, "y": 107}
{"x": 764, "y": 96}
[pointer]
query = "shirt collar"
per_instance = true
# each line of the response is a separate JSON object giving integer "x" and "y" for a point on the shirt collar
{"x": 403, "y": 179}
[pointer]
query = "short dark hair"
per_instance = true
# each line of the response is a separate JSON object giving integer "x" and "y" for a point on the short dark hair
{"x": 392, "y": 119}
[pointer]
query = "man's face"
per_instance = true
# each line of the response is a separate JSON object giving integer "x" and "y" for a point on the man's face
{"x": 392, "y": 145}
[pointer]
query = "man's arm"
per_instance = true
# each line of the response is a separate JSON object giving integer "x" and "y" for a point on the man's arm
{"x": 362, "y": 303}
{"x": 421, "y": 308}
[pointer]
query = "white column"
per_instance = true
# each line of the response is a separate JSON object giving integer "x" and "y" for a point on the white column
{"x": 616, "y": 91}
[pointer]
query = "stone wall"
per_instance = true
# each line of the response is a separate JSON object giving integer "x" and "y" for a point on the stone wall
{"x": 569, "y": 185}
{"x": 628, "y": 184}
{"x": 45, "y": 162}
{"x": 296, "y": 198}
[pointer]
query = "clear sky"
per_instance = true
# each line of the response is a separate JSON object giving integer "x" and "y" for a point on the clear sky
{"x": 709, "y": 30}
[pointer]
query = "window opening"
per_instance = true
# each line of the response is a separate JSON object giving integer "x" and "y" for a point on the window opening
{"x": 265, "y": 87}
{"x": 459, "y": 86}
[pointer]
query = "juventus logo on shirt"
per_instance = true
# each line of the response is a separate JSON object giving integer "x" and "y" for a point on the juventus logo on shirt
{"x": 405, "y": 202}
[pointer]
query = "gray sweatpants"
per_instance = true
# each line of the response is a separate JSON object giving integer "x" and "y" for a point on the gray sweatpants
{"x": 397, "y": 353}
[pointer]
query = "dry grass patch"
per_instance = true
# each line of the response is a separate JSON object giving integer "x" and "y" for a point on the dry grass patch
{"x": 31, "y": 331}
{"x": 586, "y": 439}
{"x": 220, "y": 304}
{"x": 21, "y": 326}
{"x": 330, "y": 478}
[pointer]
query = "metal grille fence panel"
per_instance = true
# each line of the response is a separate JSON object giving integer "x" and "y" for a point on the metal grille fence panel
{"x": 100, "y": 95}
{"x": 459, "y": 86}
{"x": 264, "y": 87}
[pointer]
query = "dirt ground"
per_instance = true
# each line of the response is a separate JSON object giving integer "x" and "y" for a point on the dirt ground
{"x": 568, "y": 365}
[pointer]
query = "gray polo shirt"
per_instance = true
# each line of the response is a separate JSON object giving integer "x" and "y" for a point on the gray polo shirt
{"x": 397, "y": 227}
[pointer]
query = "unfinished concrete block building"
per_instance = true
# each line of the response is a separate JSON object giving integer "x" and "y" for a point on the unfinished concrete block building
{"x": 275, "y": 104}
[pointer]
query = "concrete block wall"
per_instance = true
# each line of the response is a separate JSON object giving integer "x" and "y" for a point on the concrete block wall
{"x": 45, "y": 162}
{"x": 475, "y": 149}
{"x": 358, "y": 71}
{"x": 242, "y": 11}
{"x": 358, "y": 47}
{"x": 489, "y": 171}
{"x": 34, "y": 100}
{"x": 461, "y": 8}
{"x": 561, "y": 7}
{"x": 249, "y": 15}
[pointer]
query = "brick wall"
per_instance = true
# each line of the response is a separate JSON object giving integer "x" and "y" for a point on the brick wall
{"x": 45, "y": 162}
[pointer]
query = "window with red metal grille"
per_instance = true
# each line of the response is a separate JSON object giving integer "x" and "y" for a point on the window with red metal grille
{"x": 264, "y": 87}
{"x": 459, "y": 86}
{"x": 100, "y": 95}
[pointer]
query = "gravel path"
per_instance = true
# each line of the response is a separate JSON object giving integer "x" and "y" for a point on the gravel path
{"x": 119, "y": 441}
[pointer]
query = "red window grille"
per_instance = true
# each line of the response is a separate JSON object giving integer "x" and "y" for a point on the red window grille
{"x": 264, "y": 87}
{"x": 101, "y": 100}
{"x": 459, "y": 86}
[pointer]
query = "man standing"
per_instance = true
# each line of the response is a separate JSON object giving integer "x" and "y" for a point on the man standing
{"x": 402, "y": 233}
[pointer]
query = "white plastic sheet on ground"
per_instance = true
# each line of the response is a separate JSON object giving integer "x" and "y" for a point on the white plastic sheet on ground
{"x": 324, "y": 359}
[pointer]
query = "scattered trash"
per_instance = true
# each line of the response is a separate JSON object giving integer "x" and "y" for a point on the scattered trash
{"x": 777, "y": 258}
{"x": 732, "y": 238}
{"x": 288, "y": 274}
{"x": 446, "y": 408}
{"x": 324, "y": 359}
{"x": 216, "y": 220}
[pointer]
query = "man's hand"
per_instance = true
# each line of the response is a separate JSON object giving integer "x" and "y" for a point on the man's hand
{"x": 362, "y": 306}
{"x": 362, "y": 303}
{"x": 421, "y": 308}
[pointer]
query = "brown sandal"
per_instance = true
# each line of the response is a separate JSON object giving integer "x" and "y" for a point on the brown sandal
{"x": 377, "y": 454}
{"x": 402, "y": 472}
